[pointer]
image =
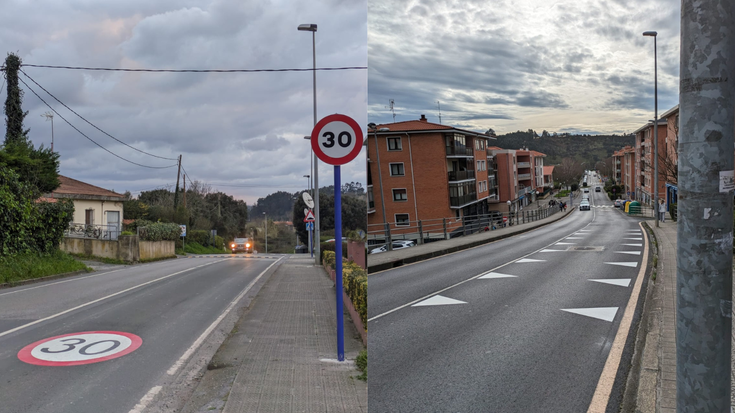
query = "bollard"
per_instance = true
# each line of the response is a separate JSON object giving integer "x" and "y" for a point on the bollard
{"x": 444, "y": 222}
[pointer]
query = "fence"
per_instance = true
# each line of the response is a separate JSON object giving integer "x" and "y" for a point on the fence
{"x": 432, "y": 230}
{"x": 76, "y": 230}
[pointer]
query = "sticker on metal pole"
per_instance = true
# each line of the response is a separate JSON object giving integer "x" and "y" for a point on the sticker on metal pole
{"x": 336, "y": 139}
{"x": 80, "y": 348}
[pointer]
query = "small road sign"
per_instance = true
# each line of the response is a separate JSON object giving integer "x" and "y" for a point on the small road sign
{"x": 183, "y": 230}
{"x": 336, "y": 139}
{"x": 74, "y": 349}
{"x": 309, "y": 217}
{"x": 307, "y": 200}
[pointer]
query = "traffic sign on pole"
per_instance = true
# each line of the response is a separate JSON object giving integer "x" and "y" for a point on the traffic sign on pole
{"x": 336, "y": 140}
{"x": 309, "y": 217}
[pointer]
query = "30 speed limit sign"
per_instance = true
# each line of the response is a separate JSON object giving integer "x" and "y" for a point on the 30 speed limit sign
{"x": 336, "y": 139}
{"x": 80, "y": 348}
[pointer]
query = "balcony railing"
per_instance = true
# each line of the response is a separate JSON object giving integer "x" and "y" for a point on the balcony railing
{"x": 460, "y": 200}
{"x": 460, "y": 151}
{"x": 461, "y": 175}
{"x": 524, "y": 164}
{"x": 77, "y": 230}
{"x": 524, "y": 177}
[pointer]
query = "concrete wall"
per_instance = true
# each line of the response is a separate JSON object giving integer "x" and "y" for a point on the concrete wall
{"x": 127, "y": 248}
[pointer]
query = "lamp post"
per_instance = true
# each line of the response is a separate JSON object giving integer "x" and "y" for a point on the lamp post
{"x": 308, "y": 181}
{"x": 655, "y": 123}
{"x": 374, "y": 127}
{"x": 265, "y": 224}
{"x": 312, "y": 28}
{"x": 49, "y": 115}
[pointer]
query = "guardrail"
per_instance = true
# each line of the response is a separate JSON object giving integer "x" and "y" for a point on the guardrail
{"x": 433, "y": 230}
{"x": 95, "y": 231}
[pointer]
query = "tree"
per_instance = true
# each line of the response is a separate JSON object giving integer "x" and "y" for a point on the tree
{"x": 278, "y": 205}
{"x": 568, "y": 171}
{"x": 13, "y": 103}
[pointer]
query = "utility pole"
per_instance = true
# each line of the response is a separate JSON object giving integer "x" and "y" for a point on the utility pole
{"x": 184, "y": 191}
{"x": 176, "y": 194}
{"x": 704, "y": 231}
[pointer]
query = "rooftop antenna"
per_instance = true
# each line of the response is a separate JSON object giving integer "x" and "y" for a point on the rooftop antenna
{"x": 440, "y": 111}
{"x": 392, "y": 104}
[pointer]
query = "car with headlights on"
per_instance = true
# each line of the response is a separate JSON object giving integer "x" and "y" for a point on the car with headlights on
{"x": 241, "y": 245}
{"x": 584, "y": 205}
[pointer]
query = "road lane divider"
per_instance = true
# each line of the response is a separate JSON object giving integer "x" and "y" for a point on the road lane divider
{"x": 180, "y": 362}
{"x": 61, "y": 282}
{"x": 601, "y": 396}
{"x": 519, "y": 259}
{"x": 4, "y": 333}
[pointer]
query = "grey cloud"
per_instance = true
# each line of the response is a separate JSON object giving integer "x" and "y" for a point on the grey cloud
{"x": 268, "y": 143}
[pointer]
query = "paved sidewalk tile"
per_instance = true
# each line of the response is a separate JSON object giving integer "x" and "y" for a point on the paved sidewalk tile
{"x": 292, "y": 329}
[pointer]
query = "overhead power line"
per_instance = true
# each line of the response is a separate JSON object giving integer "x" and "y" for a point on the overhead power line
{"x": 93, "y": 125}
{"x": 92, "y": 140}
{"x": 109, "y": 69}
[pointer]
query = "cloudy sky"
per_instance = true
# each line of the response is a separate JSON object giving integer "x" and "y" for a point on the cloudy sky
{"x": 241, "y": 133}
{"x": 565, "y": 66}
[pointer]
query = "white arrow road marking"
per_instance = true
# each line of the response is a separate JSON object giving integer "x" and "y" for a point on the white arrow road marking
{"x": 635, "y": 239}
{"x": 496, "y": 275}
{"x": 624, "y": 264}
{"x": 585, "y": 230}
{"x": 553, "y": 251}
{"x": 573, "y": 238}
{"x": 633, "y": 245}
{"x": 623, "y": 282}
{"x": 600, "y": 313}
{"x": 438, "y": 300}
{"x": 629, "y": 252}
{"x": 566, "y": 243}
{"x": 524, "y": 260}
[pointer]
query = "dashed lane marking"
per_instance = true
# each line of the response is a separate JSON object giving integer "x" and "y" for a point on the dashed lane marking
{"x": 623, "y": 282}
{"x": 633, "y": 245}
{"x": 438, "y": 300}
{"x": 600, "y": 313}
{"x": 525, "y": 260}
{"x": 628, "y": 252}
{"x": 624, "y": 264}
{"x": 496, "y": 275}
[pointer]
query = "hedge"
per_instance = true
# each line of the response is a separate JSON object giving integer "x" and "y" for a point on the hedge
{"x": 354, "y": 282}
{"x": 159, "y": 231}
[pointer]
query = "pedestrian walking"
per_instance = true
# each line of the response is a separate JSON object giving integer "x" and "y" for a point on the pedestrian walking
{"x": 661, "y": 210}
{"x": 561, "y": 206}
{"x": 565, "y": 206}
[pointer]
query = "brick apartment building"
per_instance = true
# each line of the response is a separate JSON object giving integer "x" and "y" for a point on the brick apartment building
{"x": 644, "y": 178}
{"x": 418, "y": 170}
{"x": 624, "y": 169}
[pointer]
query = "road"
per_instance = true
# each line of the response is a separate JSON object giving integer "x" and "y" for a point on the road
{"x": 523, "y": 324}
{"x": 170, "y": 305}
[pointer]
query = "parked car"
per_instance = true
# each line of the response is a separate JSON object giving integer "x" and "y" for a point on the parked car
{"x": 619, "y": 203}
{"x": 584, "y": 205}
{"x": 241, "y": 245}
{"x": 397, "y": 245}
{"x": 344, "y": 239}
{"x": 598, "y": 189}
{"x": 301, "y": 249}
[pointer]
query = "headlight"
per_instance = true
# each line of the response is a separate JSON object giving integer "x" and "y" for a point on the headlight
{"x": 232, "y": 246}
{"x": 247, "y": 245}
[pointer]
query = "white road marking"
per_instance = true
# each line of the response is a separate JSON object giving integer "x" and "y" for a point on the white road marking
{"x": 623, "y": 282}
{"x": 574, "y": 238}
{"x": 143, "y": 403}
{"x": 566, "y": 243}
{"x": 61, "y": 282}
{"x": 438, "y": 300}
{"x": 624, "y": 264}
{"x": 628, "y": 252}
{"x": 635, "y": 239}
{"x": 633, "y": 245}
{"x": 214, "y": 324}
{"x": 525, "y": 260}
{"x": 496, "y": 275}
{"x": 553, "y": 251}
{"x": 4, "y": 333}
{"x": 600, "y": 313}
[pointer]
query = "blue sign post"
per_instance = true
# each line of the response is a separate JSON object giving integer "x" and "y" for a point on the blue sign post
{"x": 336, "y": 140}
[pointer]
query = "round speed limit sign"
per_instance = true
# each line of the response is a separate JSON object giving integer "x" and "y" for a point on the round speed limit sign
{"x": 336, "y": 139}
{"x": 80, "y": 348}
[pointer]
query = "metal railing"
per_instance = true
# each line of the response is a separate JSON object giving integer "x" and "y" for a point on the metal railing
{"x": 96, "y": 231}
{"x": 433, "y": 230}
{"x": 457, "y": 201}
{"x": 461, "y": 175}
{"x": 460, "y": 150}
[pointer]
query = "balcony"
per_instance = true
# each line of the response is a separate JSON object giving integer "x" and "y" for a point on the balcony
{"x": 460, "y": 151}
{"x": 458, "y": 201}
{"x": 524, "y": 164}
{"x": 461, "y": 175}
{"x": 524, "y": 177}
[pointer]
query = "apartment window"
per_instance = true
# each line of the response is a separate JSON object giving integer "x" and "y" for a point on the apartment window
{"x": 479, "y": 166}
{"x": 402, "y": 220}
{"x": 89, "y": 217}
{"x": 400, "y": 195}
{"x": 394, "y": 144}
{"x": 396, "y": 169}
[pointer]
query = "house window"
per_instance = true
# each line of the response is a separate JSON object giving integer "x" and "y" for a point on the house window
{"x": 402, "y": 220}
{"x": 394, "y": 144}
{"x": 89, "y": 217}
{"x": 396, "y": 169}
{"x": 400, "y": 195}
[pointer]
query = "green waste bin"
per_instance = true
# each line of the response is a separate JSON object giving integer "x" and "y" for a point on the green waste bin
{"x": 634, "y": 208}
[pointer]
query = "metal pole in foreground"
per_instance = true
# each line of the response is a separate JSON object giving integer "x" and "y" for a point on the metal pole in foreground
{"x": 654, "y": 155}
{"x": 338, "y": 262}
{"x": 704, "y": 230}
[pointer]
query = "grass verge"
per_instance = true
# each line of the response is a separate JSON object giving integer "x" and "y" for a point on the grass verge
{"x": 196, "y": 248}
{"x": 361, "y": 362}
{"x": 100, "y": 259}
{"x": 22, "y": 267}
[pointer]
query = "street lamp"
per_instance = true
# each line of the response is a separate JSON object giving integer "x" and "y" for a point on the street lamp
{"x": 308, "y": 181}
{"x": 312, "y": 28}
{"x": 265, "y": 223}
{"x": 49, "y": 115}
{"x": 374, "y": 127}
{"x": 655, "y": 123}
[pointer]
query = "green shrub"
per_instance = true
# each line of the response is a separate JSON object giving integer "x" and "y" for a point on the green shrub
{"x": 354, "y": 281}
{"x": 673, "y": 210}
{"x": 199, "y": 236}
{"x": 159, "y": 231}
{"x": 362, "y": 364}
{"x": 127, "y": 233}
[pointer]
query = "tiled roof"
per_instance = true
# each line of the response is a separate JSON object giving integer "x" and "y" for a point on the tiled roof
{"x": 71, "y": 186}
{"x": 548, "y": 170}
{"x": 413, "y": 125}
{"x": 537, "y": 153}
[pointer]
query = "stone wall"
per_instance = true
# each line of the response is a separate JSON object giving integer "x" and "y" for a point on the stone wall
{"x": 126, "y": 248}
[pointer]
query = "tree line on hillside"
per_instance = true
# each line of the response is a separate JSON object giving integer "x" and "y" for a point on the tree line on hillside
{"x": 28, "y": 224}
{"x": 279, "y": 205}
{"x": 589, "y": 149}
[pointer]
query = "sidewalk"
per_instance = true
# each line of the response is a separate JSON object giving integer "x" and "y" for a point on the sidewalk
{"x": 281, "y": 355}
{"x": 392, "y": 259}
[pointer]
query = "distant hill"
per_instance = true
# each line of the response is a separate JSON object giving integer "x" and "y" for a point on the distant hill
{"x": 583, "y": 148}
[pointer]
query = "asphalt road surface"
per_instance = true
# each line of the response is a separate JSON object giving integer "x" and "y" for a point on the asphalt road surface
{"x": 523, "y": 324}
{"x": 168, "y": 305}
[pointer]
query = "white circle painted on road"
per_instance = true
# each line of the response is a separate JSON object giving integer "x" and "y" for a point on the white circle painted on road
{"x": 80, "y": 348}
